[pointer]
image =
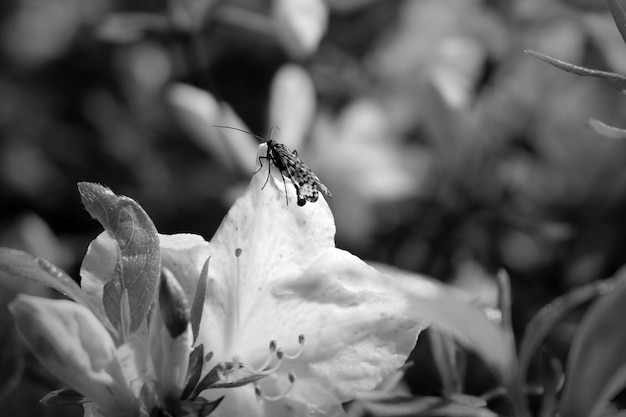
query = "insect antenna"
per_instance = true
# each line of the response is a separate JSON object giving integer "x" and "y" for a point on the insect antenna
{"x": 241, "y": 130}
{"x": 271, "y": 155}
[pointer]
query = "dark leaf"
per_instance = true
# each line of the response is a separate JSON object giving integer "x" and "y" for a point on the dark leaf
{"x": 139, "y": 265}
{"x": 445, "y": 351}
{"x": 428, "y": 406}
{"x": 62, "y": 398}
{"x": 402, "y": 407}
{"x": 200, "y": 407}
{"x": 209, "y": 379}
{"x": 587, "y": 5}
{"x": 198, "y": 300}
{"x": 515, "y": 391}
{"x": 196, "y": 362}
{"x": 206, "y": 407}
{"x": 125, "y": 318}
{"x": 596, "y": 360}
{"x": 11, "y": 360}
{"x": 605, "y": 130}
{"x": 453, "y": 409}
{"x": 504, "y": 305}
{"x": 227, "y": 375}
{"x": 173, "y": 304}
{"x": 469, "y": 400}
{"x": 551, "y": 373}
{"x": 450, "y": 312}
{"x": 130, "y": 27}
{"x": 544, "y": 321}
{"x": 16, "y": 264}
{"x": 616, "y": 80}
{"x": 619, "y": 15}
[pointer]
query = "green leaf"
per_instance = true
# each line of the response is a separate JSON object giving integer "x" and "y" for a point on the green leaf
{"x": 139, "y": 264}
{"x": 619, "y": 15}
{"x": 597, "y": 359}
{"x": 227, "y": 375}
{"x": 616, "y": 80}
{"x": 16, "y": 264}
{"x": 199, "y": 407}
{"x": 209, "y": 379}
{"x": 551, "y": 314}
{"x": 131, "y": 26}
{"x": 62, "y": 398}
{"x": 125, "y": 318}
{"x": 605, "y": 130}
{"x": 194, "y": 371}
{"x": 11, "y": 359}
{"x": 505, "y": 302}
{"x": 450, "y": 311}
{"x": 428, "y": 406}
{"x": 514, "y": 385}
{"x": 198, "y": 300}
{"x": 551, "y": 373}
{"x": 445, "y": 353}
{"x": 587, "y": 5}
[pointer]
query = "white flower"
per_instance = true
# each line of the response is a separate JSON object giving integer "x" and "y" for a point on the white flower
{"x": 289, "y": 280}
{"x": 294, "y": 325}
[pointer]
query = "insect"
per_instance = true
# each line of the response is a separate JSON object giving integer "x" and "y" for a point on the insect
{"x": 307, "y": 184}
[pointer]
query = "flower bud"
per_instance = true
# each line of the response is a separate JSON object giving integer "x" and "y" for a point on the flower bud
{"x": 173, "y": 305}
{"x": 171, "y": 339}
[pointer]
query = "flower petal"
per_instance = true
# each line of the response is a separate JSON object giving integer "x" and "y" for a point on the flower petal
{"x": 300, "y": 24}
{"x": 239, "y": 401}
{"x": 277, "y": 239}
{"x": 70, "y": 341}
{"x": 184, "y": 255}
{"x": 97, "y": 268}
{"x": 359, "y": 326}
{"x": 308, "y": 398}
{"x": 170, "y": 339}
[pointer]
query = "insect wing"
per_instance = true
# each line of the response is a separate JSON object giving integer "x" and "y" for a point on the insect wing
{"x": 306, "y": 182}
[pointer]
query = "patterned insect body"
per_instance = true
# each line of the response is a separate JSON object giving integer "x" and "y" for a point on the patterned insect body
{"x": 307, "y": 184}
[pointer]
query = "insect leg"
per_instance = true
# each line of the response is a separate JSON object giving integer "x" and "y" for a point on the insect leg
{"x": 268, "y": 156}
{"x": 285, "y": 185}
{"x": 269, "y": 172}
{"x": 261, "y": 163}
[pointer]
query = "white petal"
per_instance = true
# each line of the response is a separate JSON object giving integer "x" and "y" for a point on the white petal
{"x": 277, "y": 238}
{"x": 170, "y": 357}
{"x": 70, "y": 341}
{"x": 300, "y": 24}
{"x": 292, "y": 105}
{"x": 359, "y": 326}
{"x": 237, "y": 402}
{"x": 184, "y": 255}
{"x": 309, "y": 397}
{"x": 97, "y": 268}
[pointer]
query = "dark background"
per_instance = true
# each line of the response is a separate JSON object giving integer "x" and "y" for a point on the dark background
{"x": 448, "y": 150}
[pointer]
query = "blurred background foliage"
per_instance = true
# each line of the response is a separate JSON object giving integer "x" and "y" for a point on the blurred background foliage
{"x": 449, "y": 151}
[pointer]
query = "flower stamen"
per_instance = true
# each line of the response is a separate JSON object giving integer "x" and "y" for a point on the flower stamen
{"x": 269, "y": 358}
{"x": 260, "y": 395}
{"x": 280, "y": 358}
{"x": 296, "y": 355}
{"x": 236, "y": 294}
